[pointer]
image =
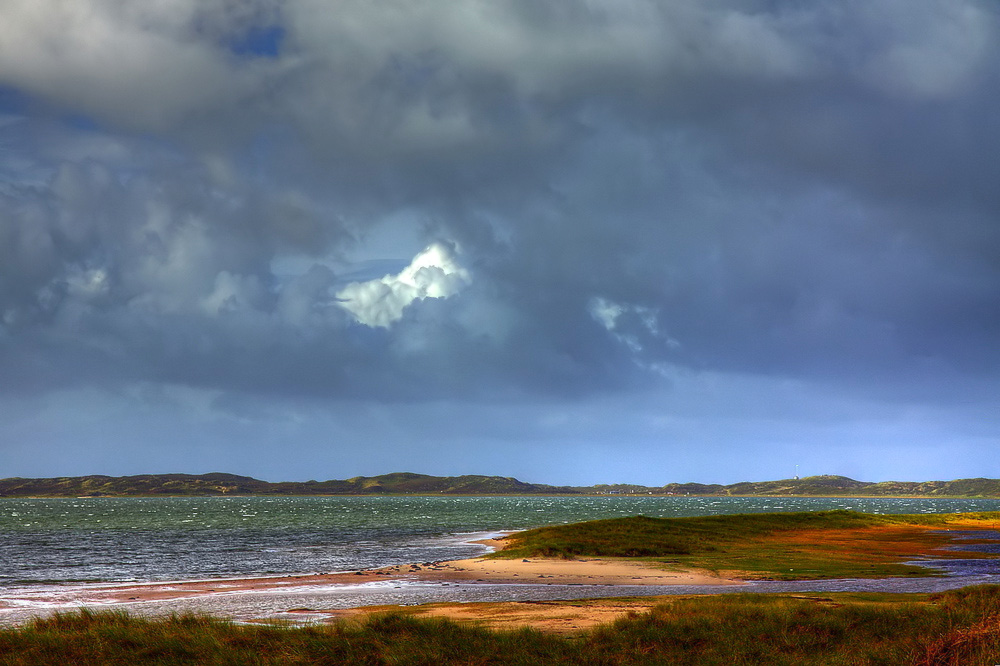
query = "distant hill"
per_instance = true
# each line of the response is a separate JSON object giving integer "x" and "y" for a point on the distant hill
{"x": 827, "y": 486}
{"x": 402, "y": 483}
{"x": 405, "y": 483}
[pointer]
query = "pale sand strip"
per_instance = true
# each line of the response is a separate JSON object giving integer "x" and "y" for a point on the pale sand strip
{"x": 582, "y": 571}
{"x": 589, "y": 571}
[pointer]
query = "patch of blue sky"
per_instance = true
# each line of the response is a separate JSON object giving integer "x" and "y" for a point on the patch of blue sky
{"x": 82, "y": 122}
{"x": 259, "y": 42}
{"x": 13, "y": 101}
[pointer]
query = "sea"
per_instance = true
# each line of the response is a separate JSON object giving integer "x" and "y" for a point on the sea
{"x": 53, "y": 551}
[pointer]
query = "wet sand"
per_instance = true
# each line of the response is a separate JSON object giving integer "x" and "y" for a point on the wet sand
{"x": 589, "y": 571}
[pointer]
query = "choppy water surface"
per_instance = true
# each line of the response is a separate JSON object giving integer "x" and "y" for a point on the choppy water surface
{"x": 65, "y": 542}
{"x": 130, "y": 539}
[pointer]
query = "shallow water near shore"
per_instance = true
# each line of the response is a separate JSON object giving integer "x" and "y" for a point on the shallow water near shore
{"x": 308, "y": 604}
{"x": 53, "y": 550}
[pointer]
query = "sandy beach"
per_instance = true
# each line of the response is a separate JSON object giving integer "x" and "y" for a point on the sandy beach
{"x": 587, "y": 571}
{"x": 536, "y": 571}
{"x": 582, "y": 571}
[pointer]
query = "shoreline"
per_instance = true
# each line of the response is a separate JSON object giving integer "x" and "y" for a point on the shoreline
{"x": 595, "y": 572}
{"x": 579, "y": 572}
{"x": 591, "y": 577}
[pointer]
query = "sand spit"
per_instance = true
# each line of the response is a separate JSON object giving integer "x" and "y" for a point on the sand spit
{"x": 588, "y": 571}
{"x": 582, "y": 571}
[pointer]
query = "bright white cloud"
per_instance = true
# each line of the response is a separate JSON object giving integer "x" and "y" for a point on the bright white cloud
{"x": 434, "y": 273}
{"x": 605, "y": 311}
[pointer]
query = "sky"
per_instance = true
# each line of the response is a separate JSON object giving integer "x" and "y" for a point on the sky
{"x": 575, "y": 242}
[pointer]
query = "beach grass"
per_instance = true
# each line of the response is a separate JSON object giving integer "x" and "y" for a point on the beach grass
{"x": 784, "y": 546}
{"x": 958, "y": 627}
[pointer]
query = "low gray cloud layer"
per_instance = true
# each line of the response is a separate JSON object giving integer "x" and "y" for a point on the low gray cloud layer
{"x": 621, "y": 198}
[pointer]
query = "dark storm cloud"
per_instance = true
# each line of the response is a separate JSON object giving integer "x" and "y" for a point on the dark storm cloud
{"x": 768, "y": 188}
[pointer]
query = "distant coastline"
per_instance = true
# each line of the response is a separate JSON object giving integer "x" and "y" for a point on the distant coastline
{"x": 406, "y": 483}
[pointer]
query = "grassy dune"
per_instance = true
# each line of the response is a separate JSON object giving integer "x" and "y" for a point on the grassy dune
{"x": 806, "y": 545}
{"x": 960, "y": 627}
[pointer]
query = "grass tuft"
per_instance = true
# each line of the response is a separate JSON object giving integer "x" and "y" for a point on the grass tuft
{"x": 805, "y": 545}
{"x": 958, "y": 627}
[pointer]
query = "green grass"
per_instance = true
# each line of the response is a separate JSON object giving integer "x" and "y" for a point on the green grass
{"x": 642, "y": 536}
{"x": 823, "y": 544}
{"x": 114, "y": 638}
{"x": 960, "y": 627}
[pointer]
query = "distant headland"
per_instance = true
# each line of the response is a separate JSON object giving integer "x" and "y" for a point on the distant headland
{"x": 406, "y": 483}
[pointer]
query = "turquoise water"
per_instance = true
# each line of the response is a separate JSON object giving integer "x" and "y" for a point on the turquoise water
{"x": 44, "y": 541}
